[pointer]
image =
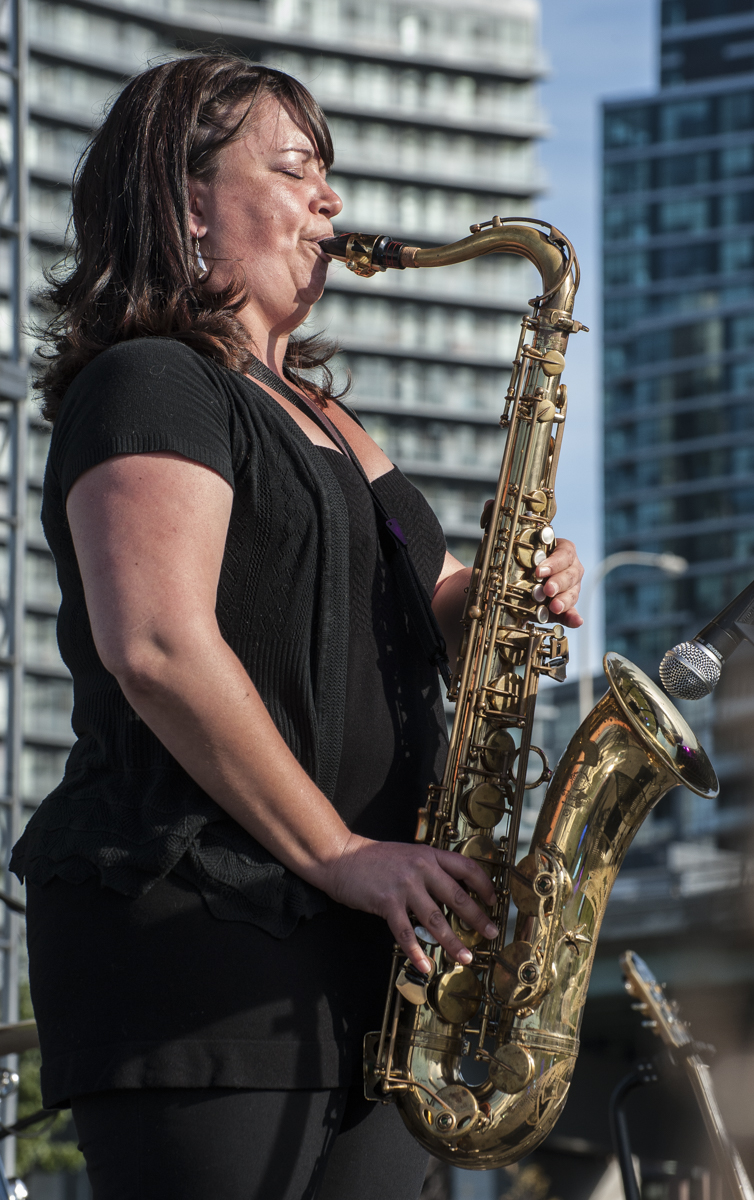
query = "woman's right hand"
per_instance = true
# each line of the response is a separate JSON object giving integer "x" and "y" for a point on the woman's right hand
{"x": 404, "y": 883}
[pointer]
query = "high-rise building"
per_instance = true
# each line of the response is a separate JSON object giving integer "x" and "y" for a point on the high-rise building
{"x": 433, "y": 107}
{"x": 679, "y": 328}
{"x": 678, "y": 254}
{"x": 679, "y": 332}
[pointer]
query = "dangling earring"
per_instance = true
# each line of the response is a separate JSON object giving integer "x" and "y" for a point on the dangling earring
{"x": 199, "y": 260}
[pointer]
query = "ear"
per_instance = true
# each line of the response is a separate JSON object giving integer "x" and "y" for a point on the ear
{"x": 197, "y": 205}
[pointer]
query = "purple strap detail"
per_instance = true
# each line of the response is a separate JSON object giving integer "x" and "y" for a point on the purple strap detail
{"x": 394, "y": 526}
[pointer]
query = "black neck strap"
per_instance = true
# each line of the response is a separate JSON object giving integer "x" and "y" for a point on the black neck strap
{"x": 415, "y": 599}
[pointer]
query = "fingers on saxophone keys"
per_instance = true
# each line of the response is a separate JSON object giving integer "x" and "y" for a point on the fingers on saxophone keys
{"x": 435, "y": 923}
{"x": 466, "y": 871}
{"x": 406, "y": 939}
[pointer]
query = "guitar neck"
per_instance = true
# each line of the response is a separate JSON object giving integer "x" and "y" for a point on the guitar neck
{"x": 728, "y": 1159}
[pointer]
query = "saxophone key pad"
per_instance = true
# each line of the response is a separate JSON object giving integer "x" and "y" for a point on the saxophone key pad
{"x": 456, "y": 995}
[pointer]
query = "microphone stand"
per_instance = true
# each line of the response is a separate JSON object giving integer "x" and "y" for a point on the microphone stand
{"x": 643, "y": 1073}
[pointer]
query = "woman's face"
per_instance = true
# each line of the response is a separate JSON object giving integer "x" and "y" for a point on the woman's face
{"x": 264, "y": 213}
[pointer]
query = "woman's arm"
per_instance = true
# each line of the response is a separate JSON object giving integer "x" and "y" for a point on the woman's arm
{"x": 561, "y": 575}
{"x": 149, "y": 532}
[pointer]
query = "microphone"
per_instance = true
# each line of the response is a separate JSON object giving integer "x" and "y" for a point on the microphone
{"x": 692, "y": 669}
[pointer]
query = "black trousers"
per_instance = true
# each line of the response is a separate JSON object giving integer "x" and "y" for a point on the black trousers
{"x": 239, "y": 1144}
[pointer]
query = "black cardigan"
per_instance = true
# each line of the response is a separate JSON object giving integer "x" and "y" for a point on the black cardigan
{"x": 126, "y": 810}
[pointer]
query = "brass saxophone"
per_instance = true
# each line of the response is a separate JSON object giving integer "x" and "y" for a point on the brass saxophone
{"x": 479, "y": 1058}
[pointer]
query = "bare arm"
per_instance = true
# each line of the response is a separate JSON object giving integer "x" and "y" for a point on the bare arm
{"x": 561, "y": 578}
{"x": 149, "y": 532}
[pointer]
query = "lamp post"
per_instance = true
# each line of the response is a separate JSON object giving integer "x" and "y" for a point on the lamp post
{"x": 671, "y": 564}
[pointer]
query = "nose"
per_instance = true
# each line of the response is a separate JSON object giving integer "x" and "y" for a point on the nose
{"x": 329, "y": 202}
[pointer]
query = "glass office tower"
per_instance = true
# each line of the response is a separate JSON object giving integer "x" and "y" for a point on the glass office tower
{"x": 434, "y": 112}
{"x": 679, "y": 328}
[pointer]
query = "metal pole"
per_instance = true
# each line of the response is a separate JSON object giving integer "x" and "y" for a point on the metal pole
{"x": 644, "y": 1073}
{"x": 15, "y": 389}
{"x": 671, "y": 564}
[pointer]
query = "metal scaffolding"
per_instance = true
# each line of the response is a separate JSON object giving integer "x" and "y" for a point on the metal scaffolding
{"x": 14, "y": 438}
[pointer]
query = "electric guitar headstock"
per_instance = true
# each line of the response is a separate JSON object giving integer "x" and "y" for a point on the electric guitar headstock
{"x": 661, "y": 1013}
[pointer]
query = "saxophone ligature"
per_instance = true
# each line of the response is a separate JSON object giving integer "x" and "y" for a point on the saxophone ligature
{"x": 479, "y": 1058}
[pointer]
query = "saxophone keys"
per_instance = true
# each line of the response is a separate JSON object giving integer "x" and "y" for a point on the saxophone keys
{"x": 499, "y": 752}
{"x": 456, "y": 995}
{"x": 526, "y": 549}
{"x": 503, "y": 692}
{"x": 485, "y": 805}
{"x": 553, "y": 363}
{"x": 511, "y": 1068}
{"x": 413, "y": 984}
{"x": 537, "y": 502}
{"x": 483, "y": 850}
{"x": 459, "y": 1111}
{"x": 515, "y": 974}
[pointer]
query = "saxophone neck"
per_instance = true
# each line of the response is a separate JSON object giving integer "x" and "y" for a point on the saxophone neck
{"x": 541, "y": 243}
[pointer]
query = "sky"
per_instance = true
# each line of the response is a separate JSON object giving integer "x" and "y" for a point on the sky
{"x": 596, "y": 49}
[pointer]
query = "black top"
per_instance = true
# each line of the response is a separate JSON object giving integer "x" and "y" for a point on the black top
{"x": 154, "y": 992}
{"x": 126, "y": 811}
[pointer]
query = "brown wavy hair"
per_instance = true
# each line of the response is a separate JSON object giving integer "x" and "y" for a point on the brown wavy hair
{"x": 132, "y": 269}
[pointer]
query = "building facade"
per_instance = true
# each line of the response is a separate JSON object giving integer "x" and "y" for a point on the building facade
{"x": 433, "y": 109}
{"x": 679, "y": 328}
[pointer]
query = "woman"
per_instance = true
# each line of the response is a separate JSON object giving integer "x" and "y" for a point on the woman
{"x": 214, "y": 888}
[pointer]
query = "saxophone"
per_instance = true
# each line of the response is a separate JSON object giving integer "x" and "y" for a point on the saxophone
{"x": 479, "y": 1058}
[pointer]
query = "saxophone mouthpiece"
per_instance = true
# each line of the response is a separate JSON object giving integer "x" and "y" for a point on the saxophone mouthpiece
{"x": 367, "y": 253}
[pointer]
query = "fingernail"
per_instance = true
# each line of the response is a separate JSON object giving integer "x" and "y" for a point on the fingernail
{"x": 465, "y": 957}
{"x": 543, "y": 572}
{"x": 425, "y": 965}
{"x": 491, "y": 931}
{"x": 556, "y": 607}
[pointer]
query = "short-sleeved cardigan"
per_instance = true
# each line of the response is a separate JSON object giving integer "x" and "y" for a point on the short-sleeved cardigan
{"x": 125, "y": 810}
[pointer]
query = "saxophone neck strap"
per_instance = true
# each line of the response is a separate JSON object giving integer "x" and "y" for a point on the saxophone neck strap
{"x": 415, "y": 599}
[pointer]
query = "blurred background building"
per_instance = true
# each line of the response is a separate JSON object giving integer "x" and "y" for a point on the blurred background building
{"x": 678, "y": 282}
{"x": 434, "y": 113}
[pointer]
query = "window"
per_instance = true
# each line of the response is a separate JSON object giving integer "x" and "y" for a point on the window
{"x": 682, "y": 261}
{"x": 685, "y": 119}
{"x": 683, "y": 216}
{"x": 737, "y": 255}
{"x": 41, "y": 771}
{"x": 40, "y": 640}
{"x": 736, "y": 161}
{"x": 628, "y": 269}
{"x": 629, "y": 127}
{"x": 737, "y": 208}
{"x": 627, "y": 222}
{"x": 680, "y": 170}
{"x": 736, "y": 112}
{"x": 627, "y": 177}
{"x": 47, "y": 707}
{"x": 40, "y": 581}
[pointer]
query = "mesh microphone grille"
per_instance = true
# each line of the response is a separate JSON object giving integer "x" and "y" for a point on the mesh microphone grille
{"x": 689, "y": 672}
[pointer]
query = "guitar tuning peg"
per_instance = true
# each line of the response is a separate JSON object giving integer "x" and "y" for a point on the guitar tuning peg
{"x": 649, "y": 1024}
{"x": 640, "y": 1007}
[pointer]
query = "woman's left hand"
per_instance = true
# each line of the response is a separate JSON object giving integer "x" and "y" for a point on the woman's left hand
{"x": 560, "y": 576}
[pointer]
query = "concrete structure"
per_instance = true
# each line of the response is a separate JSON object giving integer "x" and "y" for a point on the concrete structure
{"x": 434, "y": 113}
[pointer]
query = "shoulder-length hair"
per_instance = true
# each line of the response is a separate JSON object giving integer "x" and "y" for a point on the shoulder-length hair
{"x": 134, "y": 269}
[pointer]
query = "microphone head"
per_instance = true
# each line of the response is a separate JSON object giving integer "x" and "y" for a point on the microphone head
{"x": 690, "y": 671}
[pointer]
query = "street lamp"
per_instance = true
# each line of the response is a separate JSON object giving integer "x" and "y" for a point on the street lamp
{"x": 671, "y": 564}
